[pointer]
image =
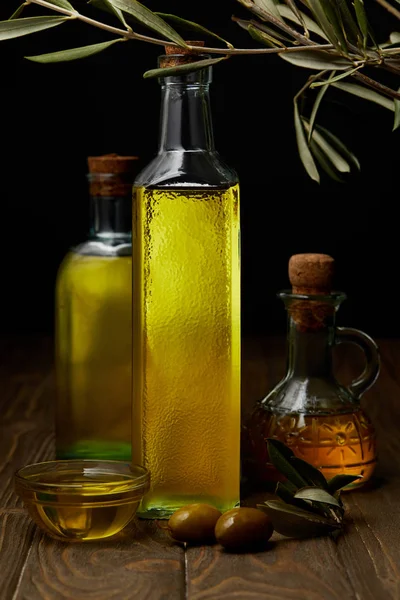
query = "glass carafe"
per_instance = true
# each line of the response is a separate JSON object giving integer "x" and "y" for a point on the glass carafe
{"x": 320, "y": 419}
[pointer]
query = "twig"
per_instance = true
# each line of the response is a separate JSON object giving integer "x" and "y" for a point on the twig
{"x": 383, "y": 89}
{"x": 144, "y": 38}
{"x": 389, "y": 8}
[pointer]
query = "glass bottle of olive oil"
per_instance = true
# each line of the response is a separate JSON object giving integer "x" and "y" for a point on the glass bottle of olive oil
{"x": 93, "y": 323}
{"x": 186, "y": 308}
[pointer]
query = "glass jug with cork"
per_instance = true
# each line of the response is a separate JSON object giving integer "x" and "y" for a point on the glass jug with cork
{"x": 309, "y": 410}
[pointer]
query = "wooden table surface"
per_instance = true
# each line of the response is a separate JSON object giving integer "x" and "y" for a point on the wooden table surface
{"x": 362, "y": 564}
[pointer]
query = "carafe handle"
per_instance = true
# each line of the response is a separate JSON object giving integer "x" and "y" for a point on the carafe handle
{"x": 347, "y": 335}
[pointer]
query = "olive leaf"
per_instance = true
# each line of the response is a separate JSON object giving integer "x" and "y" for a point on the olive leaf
{"x": 365, "y": 93}
{"x": 395, "y": 37}
{"x": 288, "y": 496}
{"x": 62, "y": 4}
{"x": 269, "y": 6}
{"x": 304, "y": 151}
{"x": 316, "y": 106}
{"x": 20, "y": 27}
{"x": 292, "y": 521}
{"x": 336, "y": 77}
{"x": 361, "y": 20}
{"x": 180, "y": 69}
{"x": 324, "y": 162}
{"x": 192, "y": 25}
{"x": 334, "y": 156}
{"x": 352, "y": 31}
{"x": 280, "y": 456}
{"x": 311, "y": 25}
{"x": 73, "y": 53}
{"x": 108, "y": 7}
{"x": 310, "y": 473}
{"x": 16, "y": 14}
{"x": 340, "y": 481}
{"x": 340, "y": 147}
{"x": 325, "y": 13}
{"x": 264, "y": 38}
{"x": 316, "y": 59}
{"x": 149, "y": 19}
{"x": 316, "y": 494}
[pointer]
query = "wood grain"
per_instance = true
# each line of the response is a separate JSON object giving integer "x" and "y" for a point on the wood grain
{"x": 363, "y": 564}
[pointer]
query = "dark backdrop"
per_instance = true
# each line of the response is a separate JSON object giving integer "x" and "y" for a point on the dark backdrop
{"x": 54, "y": 116}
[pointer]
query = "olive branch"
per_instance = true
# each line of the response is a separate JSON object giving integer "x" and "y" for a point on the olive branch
{"x": 332, "y": 38}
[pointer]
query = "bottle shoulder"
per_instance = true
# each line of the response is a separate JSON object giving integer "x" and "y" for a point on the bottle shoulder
{"x": 98, "y": 247}
{"x": 187, "y": 169}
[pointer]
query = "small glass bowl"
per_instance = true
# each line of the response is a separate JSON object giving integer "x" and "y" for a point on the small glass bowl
{"x": 82, "y": 500}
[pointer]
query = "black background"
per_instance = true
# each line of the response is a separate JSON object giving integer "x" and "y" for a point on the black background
{"x": 54, "y": 116}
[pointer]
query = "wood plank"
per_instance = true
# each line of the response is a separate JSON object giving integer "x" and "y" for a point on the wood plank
{"x": 364, "y": 562}
{"x": 146, "y": 565}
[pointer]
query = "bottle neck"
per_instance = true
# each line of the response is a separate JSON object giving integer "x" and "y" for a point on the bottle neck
{"x": 111, "y": 217}
{"x": 186, "y": 118}
{"x": 310, "y": 352}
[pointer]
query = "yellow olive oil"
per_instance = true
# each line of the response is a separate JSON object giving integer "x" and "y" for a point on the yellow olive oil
{"x": 99, "y": 511}
{"x": 186, "y": 350}
{"x": 94, "y": 357}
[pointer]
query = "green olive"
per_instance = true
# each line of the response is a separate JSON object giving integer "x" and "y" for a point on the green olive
{"x": 243, "y": 527}
{"x": 194, "y": 523}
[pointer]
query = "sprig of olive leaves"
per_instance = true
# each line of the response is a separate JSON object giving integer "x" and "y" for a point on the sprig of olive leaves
{"x": 308, "y": 504}
{"x": 333, "y": 38}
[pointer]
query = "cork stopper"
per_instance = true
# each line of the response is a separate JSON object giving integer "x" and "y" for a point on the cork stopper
{"x": 311, "y": 275}
{"x": 180, "y": 56}
{"x": 111, "y": 174}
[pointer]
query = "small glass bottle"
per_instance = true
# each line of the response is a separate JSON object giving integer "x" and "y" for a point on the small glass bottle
{"x": 94, "y": 323}
{"x": 186, "y": 307}
{"x": 309, "y": 410}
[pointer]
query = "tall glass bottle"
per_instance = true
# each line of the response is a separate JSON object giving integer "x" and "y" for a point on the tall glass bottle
{"x": 93, "y": 323}
{"x": 186, "y": 307}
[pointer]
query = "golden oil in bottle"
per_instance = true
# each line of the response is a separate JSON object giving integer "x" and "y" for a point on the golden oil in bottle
{"x": 186, "y": 315}
{"x": 93, "y": 356}
{"x": 336, "y": 444}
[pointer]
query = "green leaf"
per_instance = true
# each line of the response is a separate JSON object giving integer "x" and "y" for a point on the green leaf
{"x": 365, "y": 93}
{"x": 73, "y": 53}
{"x": 62, "y": 4}
{"x": 316, "y": 494}
{"x": 340, "y": 147}
{"x": 149, "y": 19}
{"x": 192, "y": 25}
{"x": 395, "y": 37}
{"x": 20, "y": 27}
{"x": 396, "y": 123}
{"x": 106, "y": 6}
{"x": 336, "y": 159}
{"x": 324, "y": 162}
{"x": 287, "y": 495}
{"x": 336, "y": 77}
{"x": 361, "y": 20}
{"x": 325, "y": 16}
{"x": 340, "y": 481}
{"x": 304, "y": 150}
{"x": 292, "y": 521}
{"x": 316, "y": 59}
{"x": 311, "y": 474}
{"x": 280, "y": 456}
{"x": 180, "y": 69}
{"x": 316, "y": 106}
{"x": 311, "y": 25}
{"x": 352, "y": 31}
{"x": 270, "y": 7}
{"x": 16, "y": 14}
{"x": 264, "y": 38}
